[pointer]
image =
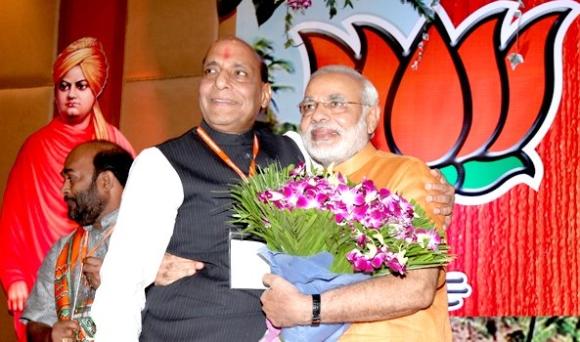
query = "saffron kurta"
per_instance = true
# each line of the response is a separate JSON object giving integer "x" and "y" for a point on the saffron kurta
{"x": 406, "y": 176}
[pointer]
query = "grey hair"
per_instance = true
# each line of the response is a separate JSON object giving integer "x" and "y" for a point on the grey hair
{"x": 370, "y": 96}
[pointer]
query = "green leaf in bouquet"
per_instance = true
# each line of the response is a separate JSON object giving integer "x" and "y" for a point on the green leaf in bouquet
{"x": 421, "y": 220}
{"x": 339, "y": 246}
{"x": 306, "y": 232}
{"x": 301, "y": 232}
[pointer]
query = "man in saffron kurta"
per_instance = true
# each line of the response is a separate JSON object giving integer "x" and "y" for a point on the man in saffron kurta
{"x": 33, "y": 214}
{"x": 406, "y": 176}
{"x": 339, "y": 114}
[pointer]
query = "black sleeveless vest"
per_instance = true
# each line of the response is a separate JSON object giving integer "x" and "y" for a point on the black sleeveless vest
{"x": 203, "y": 307}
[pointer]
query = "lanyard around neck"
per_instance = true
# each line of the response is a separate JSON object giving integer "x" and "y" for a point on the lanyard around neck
{"x": 224, "y": 156}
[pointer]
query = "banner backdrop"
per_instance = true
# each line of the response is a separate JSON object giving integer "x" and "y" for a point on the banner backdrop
{"x": 486, "y": 92}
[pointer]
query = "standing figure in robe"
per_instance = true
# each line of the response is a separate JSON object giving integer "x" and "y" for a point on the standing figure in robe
{"x": 33, "y": 214}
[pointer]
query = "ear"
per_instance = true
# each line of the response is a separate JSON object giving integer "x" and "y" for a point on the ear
{"x": 372, "y": 119}
{"x": 105, "y": 181}
{"x": 266, "y": 95}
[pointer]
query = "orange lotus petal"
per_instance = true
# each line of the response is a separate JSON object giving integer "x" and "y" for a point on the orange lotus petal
{"x": 477, "y": 53}
{"x": 379, "y": 67}
{"x": 427, "y": 114}
{"x": 326, "y": 50}
{"x": 525, "y": 101}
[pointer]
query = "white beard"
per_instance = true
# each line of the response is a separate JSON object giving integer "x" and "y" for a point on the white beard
{"x": 351, "y": 141}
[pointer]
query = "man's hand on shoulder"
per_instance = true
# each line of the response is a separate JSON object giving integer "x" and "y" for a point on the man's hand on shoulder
{"x": 17, "y": 295}
{"x": 442, "y": 194}
{"x": 174, "y": 268}
{"x": 283, "y": 304}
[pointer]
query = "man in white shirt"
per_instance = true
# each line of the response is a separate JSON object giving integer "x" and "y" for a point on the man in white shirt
{"x": 177, "y": 201}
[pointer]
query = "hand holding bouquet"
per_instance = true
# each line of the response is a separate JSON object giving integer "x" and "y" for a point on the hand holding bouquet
{"x": 359, "y": 229}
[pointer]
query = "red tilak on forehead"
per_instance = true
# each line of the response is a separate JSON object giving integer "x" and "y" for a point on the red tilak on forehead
{"x": 226, "y": 53}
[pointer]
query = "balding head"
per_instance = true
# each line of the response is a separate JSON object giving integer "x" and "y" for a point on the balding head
{"x": 106, "y": 156}
{"x": 235, "y": 40}
{"x": 94, "y": 175}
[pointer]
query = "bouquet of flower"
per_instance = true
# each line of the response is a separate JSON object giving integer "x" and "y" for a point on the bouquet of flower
{"x": 302, "y": 213}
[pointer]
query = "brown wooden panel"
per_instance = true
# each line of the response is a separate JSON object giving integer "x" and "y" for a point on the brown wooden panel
{"x": 27, "y": 42}
{"x": 227, "y": 27}
{"x": 156, "y": 110}
{"x": 168, "y": 38}
{"x": 6, "y": 328}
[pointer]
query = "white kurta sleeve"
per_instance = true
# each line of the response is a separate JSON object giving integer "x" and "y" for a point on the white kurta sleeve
{"x": 300, "y": 143}
{"x": 149, "y": 205}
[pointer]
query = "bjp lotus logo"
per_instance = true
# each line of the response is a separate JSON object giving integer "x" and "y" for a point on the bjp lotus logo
{"x": 454, "y": 96}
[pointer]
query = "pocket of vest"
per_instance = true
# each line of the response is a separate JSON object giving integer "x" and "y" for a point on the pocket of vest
{"x": 221, "y": 202}
{"x": 220, "y": 209}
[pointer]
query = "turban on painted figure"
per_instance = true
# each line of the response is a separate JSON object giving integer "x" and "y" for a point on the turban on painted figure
{"x": 88, "y": 54}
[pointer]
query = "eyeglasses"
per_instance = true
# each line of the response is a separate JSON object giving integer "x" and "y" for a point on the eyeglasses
{"x": 334, "y": 106}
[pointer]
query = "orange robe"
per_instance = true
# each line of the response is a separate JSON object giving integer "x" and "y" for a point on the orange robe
{"x": 406, "y": 176}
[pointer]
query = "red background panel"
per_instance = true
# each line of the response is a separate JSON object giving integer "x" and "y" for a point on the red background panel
{"x": 521, "y": 252}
